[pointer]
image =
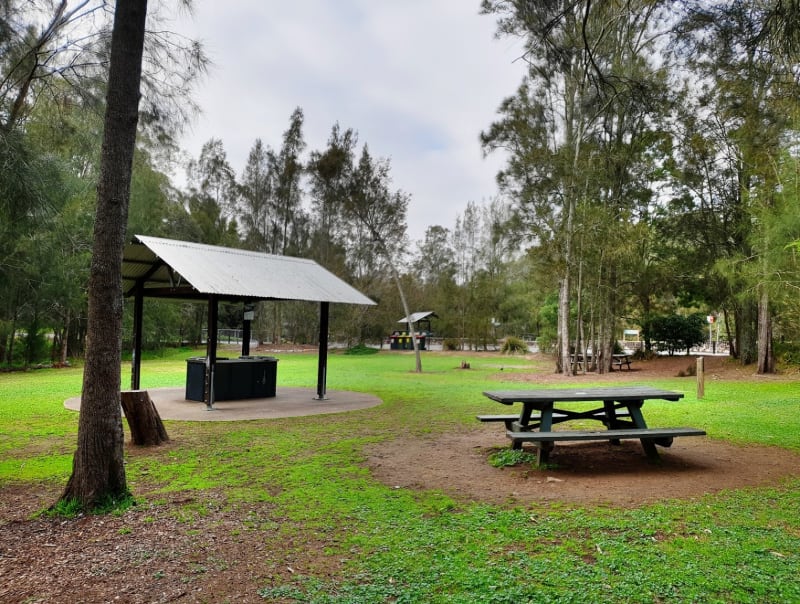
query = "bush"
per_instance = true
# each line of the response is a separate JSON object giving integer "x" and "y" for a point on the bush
{"x": 643, "y": 355}
{"x": 676, "y": 332}
{"x": 514, "y": 345}
{"x": 361, "y": 349}
{"x": 788, "y": 353}
{"x": 451, "y": 344}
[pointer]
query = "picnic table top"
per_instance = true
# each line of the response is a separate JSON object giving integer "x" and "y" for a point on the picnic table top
{"x": 614, "y": 393}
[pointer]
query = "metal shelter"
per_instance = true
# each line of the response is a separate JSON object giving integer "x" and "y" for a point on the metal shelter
{"x": 180, "y": 270}
{"x": 420, "y": 317}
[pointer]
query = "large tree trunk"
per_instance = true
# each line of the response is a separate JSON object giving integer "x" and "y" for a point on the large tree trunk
{"x": 98, "y": 473}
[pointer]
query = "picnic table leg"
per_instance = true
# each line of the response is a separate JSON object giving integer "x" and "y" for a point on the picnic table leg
{"x": 611, "y": 418}
{"x": 648, "y": 444}
{"x": 524, "y": 420}
{"x": 546, "y": 425}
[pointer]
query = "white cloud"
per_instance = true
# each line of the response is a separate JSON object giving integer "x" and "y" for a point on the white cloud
{"x": 418, "y": 80}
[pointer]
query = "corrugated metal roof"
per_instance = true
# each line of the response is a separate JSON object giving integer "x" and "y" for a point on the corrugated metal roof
{"x": 416, "y": 316}
{"x": 171, "y": 268}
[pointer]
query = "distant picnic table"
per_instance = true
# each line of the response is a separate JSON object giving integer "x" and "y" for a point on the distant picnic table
{"x": 621, "y": 413}
{"x": 617, "y": 360}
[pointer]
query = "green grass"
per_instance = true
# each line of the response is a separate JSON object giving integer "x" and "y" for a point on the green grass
{"x": 408, "y": 546}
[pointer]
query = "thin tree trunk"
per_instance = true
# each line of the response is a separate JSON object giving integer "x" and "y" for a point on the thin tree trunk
{"x": 580, "y": 342}
{"x": 98, "y": 472}
{"x": 411, "y": 331}
{"x": 747, "y": 331}
{"x": 563, "y": 325}
{"x": 766, "y": 357}
{"x": 65, "y": 340}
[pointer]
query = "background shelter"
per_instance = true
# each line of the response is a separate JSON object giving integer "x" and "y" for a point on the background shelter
{"x": 180, "y": 270}
{"x": 422, "y": 318}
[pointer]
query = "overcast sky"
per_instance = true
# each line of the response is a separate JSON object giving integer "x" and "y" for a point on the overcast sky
{"x": 417, "y": 79}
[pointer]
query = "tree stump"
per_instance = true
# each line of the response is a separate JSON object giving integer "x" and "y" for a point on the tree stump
{"x": 145, "y": 423}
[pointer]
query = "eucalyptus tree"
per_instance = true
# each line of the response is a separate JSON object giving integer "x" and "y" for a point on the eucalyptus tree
{"x": 276, "y": 177}
{"x": 466, "y": 250}
{"x": 435, "y": 269}
{"x": 330, "y": 172}
{"x": 484, "y": 246}
{"x": 212, "y": 195}
{"x": 285, "y": 172}
{"x": 255, "y": 191}
{"x": 748, "y": 96}
{"x": 578, "y": 133}
{"x": 378, "y": 217}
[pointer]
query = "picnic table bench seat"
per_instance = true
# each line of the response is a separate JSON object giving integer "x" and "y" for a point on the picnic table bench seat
{"x": 660, "y": 436}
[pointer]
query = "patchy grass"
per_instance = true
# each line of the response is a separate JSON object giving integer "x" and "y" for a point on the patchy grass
{"x": 303, "y": 482}
{"x": 511, "y": 457}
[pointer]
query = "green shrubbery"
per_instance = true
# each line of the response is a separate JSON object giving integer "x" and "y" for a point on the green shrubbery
{"x": 361, "y": 349}
{"x": 451, "y": 344}
{"x": 675, "y": 333}
{"x": 514, "y": 345}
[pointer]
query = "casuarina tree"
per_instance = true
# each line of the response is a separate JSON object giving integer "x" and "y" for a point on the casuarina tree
{"x": 98, "y": 473}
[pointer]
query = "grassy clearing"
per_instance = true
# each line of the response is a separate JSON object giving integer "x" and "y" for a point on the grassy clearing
{"x": 405, "y": 546}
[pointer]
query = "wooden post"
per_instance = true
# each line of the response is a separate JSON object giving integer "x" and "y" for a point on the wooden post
{"x": 144, "y": 422}
{"x": 701, "y": 378}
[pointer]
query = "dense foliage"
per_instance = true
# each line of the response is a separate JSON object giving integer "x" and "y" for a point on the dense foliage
{"x": 675, "y": 333}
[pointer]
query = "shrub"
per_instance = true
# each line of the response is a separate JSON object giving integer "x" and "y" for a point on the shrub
{"x": 643, "y": 355}
{"x": 451, "y": 344}
{"x": 514, "y": 345}
{"x": 361, "y": 349}
{"x": 676, "y": 332}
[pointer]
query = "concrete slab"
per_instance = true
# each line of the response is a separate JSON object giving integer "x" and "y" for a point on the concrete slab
{"x": 288, "y": 402}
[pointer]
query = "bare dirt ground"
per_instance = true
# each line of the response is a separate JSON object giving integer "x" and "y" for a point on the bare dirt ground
{"x": 588, "y": 472}
{"x": 154, "y": 553}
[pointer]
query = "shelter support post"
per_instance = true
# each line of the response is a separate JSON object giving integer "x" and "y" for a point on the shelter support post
{"x": 246, "y": 338}
{"x": 322, "y": 362}
{"x": 136, "y": 360}
{"x": 248, "y": 315}
{"x": 211, "y": 351}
